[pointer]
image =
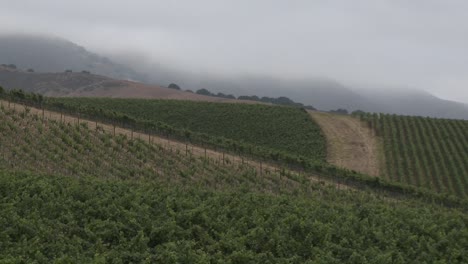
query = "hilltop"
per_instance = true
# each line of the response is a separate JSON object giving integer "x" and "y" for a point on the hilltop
{"x": 87, "y": 84}
{"x": 53, "y": 54}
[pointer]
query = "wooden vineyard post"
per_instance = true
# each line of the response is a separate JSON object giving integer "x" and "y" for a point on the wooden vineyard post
{"x": 205, "y": 153}
{"x": 186, "y": 149}
{"x": 132, "y": 134}
{"x": 43, "y": 114}
{"x": 223, "y": 157}
{"x": 114, "y": 129}
{"x": 261, "y": 168}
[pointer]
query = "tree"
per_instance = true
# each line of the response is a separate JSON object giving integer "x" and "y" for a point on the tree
{"x": 358, "y": 112}
{"x": 251, "y": 98}
{"x": 174, "y": 86}
{"x": 68, "y": 71}
{"x": 309, "y": 107}
{"x": 340, "y": 111}
{"x": 204, "y": 92}
{"x": 19, "y": 94}
{"x": 30, "y": 70}
{"x": 1, "y": 90}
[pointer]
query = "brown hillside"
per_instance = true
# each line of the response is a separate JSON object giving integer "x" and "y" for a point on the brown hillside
{"x": 91, "y": 85}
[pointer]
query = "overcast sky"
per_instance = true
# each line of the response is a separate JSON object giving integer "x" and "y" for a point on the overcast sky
{"x": 418, "y": 43}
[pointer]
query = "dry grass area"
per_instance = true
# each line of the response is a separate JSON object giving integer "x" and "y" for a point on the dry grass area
{"x": 90, "y": 85}
{"x": 129, "y": 89}
{"x": 350, "y": 143}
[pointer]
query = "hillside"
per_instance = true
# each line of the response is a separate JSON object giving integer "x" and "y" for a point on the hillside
{"x": 295, "y": 144}
{"x": 413, "y": 102}
{"x": 427, "y": 152}
{"x": 58, "y": 144}
{"x": 88, "y": 84}
{"x": 91, "y": 196}
{"x": 53, "y": 54}
{"x": 283, "y": 129}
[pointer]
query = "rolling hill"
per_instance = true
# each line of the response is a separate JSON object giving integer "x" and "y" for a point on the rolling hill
{"x": 53, "y": 54}
{"x": 75, "y": 193}
{"x": 89, "y": 85}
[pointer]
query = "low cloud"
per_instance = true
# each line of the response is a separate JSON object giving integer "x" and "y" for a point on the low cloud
{"x": 377, "y": 43}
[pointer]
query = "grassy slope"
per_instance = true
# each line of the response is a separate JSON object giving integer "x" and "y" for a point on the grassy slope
{"x": 281, "y": 128}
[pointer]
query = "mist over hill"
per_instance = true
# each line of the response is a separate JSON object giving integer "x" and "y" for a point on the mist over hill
{"x": 53, "y": 54}
{"x": 49, "y": 54}
{"x": 322, "y": 93}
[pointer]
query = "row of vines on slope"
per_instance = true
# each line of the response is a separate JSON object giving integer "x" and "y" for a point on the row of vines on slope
{"x": 296, "y": 163}
{"x": 29, "y": 143}
{"x": 426, "y": 152}
{"x": 283, "y": 129}
{"x": 57, "y": 219}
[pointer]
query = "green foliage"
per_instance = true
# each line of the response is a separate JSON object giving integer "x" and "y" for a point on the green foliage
{"x": 283, "y": 158}
{"x": 174, "y": 86}
{"x": 29, "y": 143}
{"x": 283, "y": 129}
{"x": 339, "y": 111}
{"x": 203, "y": 92}
{"x": 426, "y": 152}
{"x": 126, "y": 201}
{"x": 83, "y": 220}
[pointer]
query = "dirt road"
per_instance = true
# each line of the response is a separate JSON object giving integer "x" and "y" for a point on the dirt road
{"x": 351, "y": 144}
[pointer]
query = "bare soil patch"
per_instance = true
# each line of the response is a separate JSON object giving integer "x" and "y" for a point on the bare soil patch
{"x": 350, "y": 143}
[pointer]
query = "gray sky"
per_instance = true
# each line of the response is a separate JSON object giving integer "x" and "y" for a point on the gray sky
{"x": 418, "y": 43}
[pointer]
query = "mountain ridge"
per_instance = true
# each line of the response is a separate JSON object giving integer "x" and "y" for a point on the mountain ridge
{"x": 48, "y": 54}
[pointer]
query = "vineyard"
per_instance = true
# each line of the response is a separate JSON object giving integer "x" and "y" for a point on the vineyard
{"x": 31, "y": 143}
{"x": 73, "y": 193}
{"x": 91, "y": 220}
{"x": 219, "y": 150}
{"x": 284, "y": 129}
{"x": 426, "y": 152}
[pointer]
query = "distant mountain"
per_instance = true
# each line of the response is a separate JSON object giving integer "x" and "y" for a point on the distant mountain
{"x": 50, "y": 54}
{"x": 46, "y": 54}
{"x": 329, "y": 95}
{"x": 413, "y": 102}
{"x": 321, "y": 93}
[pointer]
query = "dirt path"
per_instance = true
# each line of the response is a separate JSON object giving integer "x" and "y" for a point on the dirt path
{"x": 351, "y": 144}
